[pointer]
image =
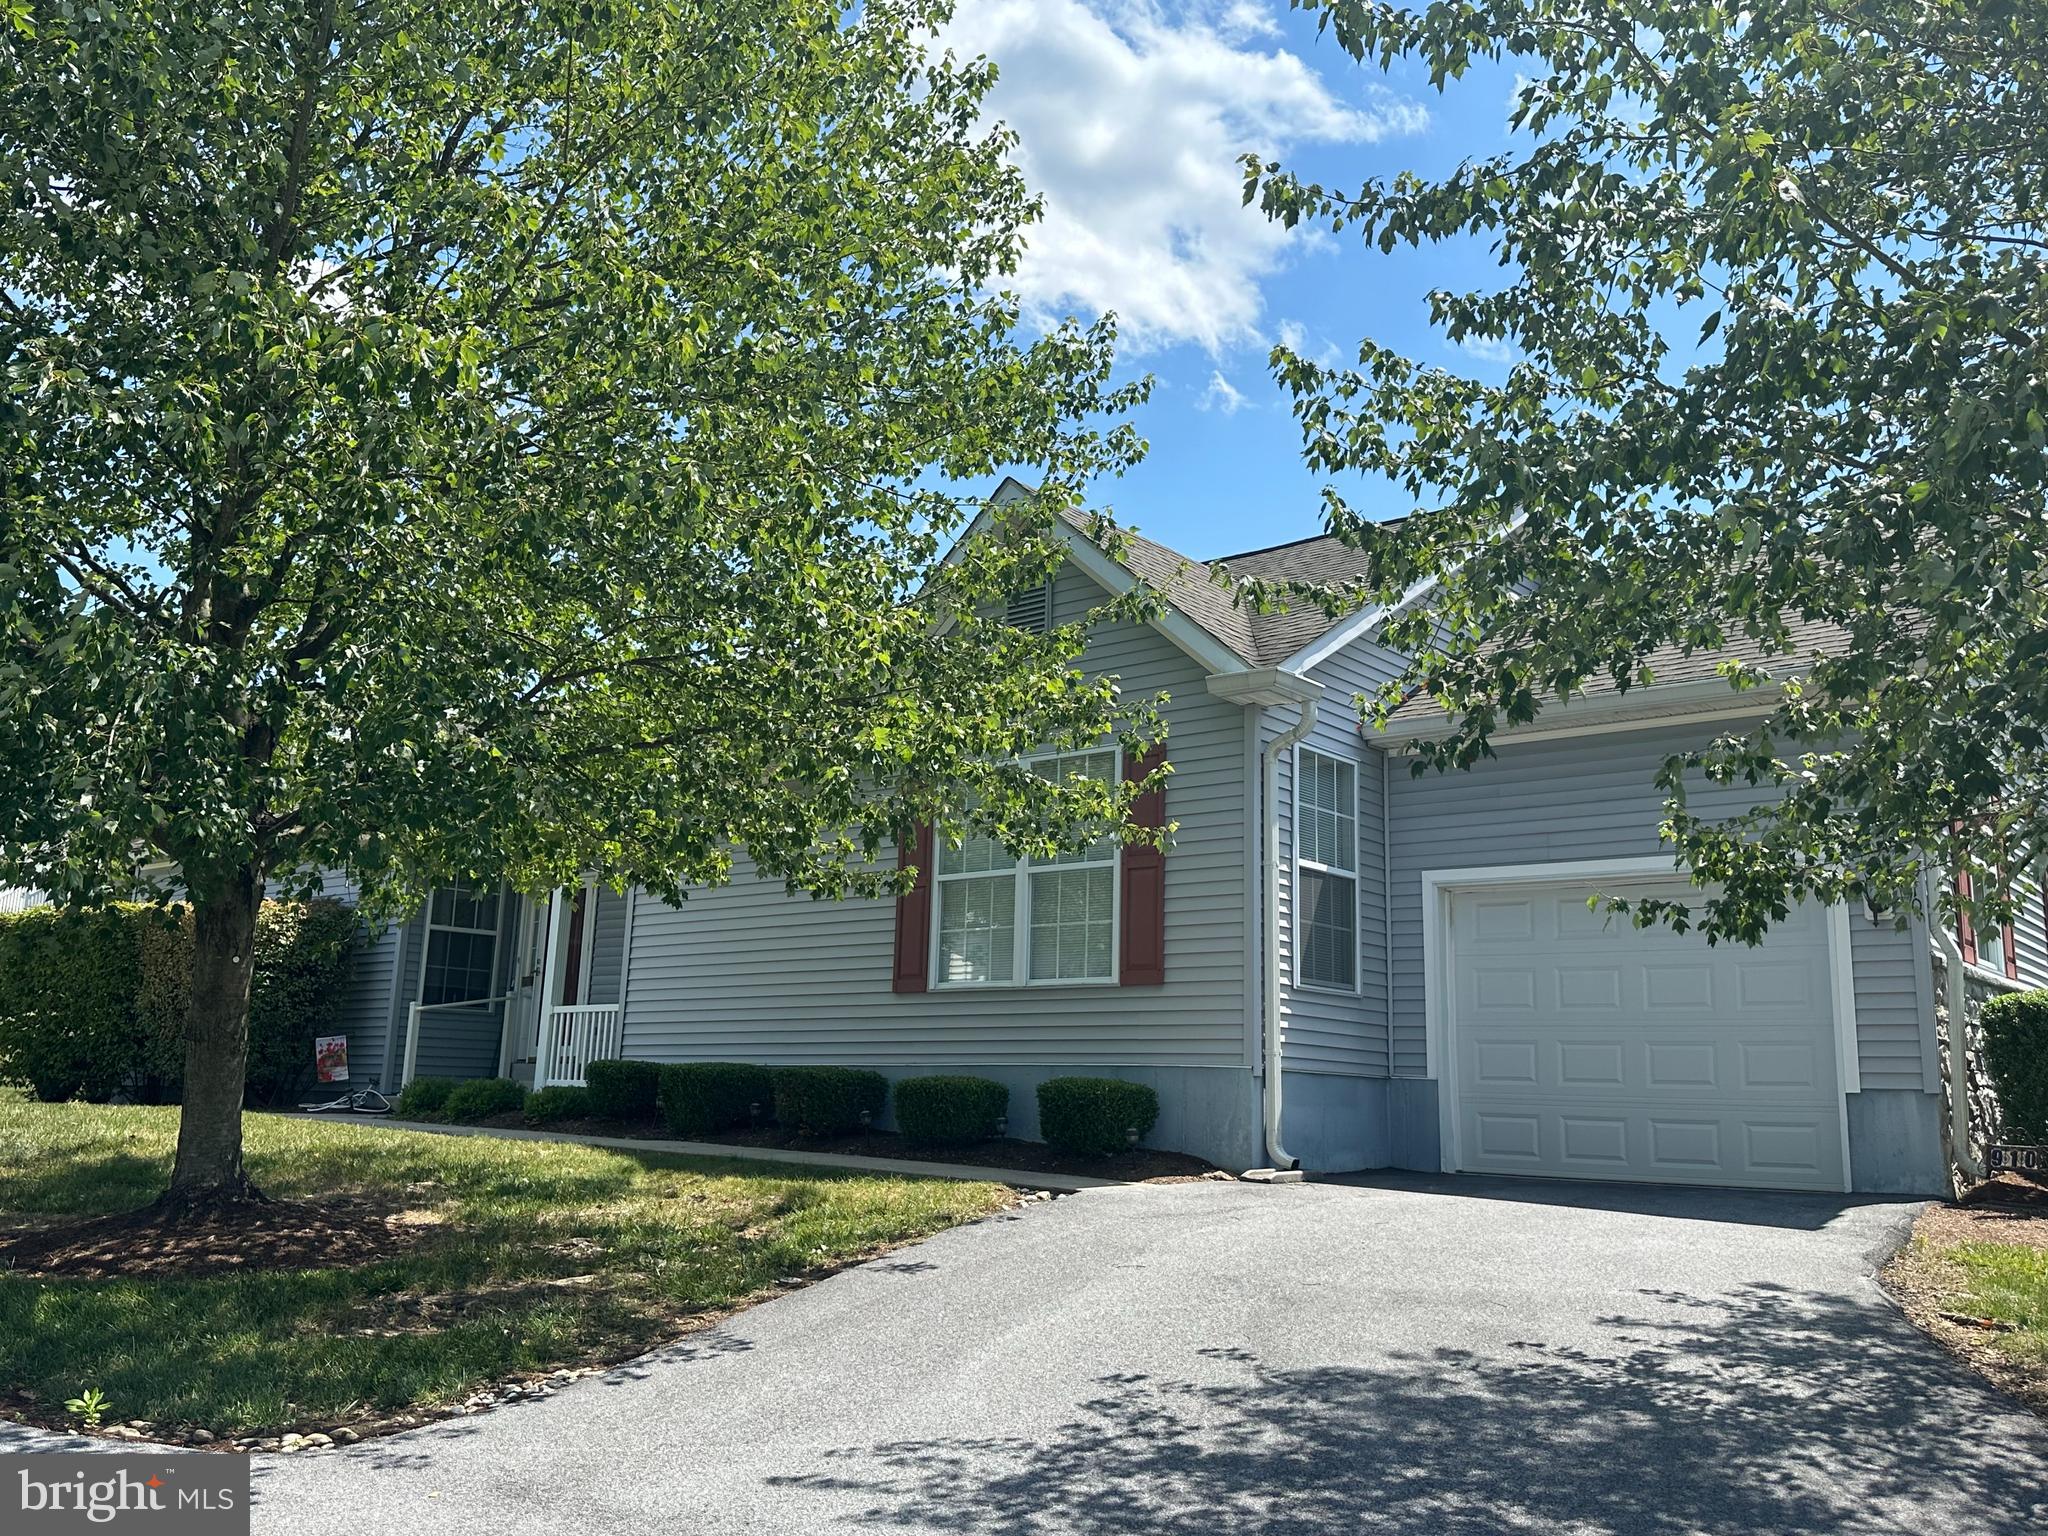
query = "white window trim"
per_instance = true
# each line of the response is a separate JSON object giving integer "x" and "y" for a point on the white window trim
{"x": 427, "y": 948}
{"x": 1354, "y": 874}
{"x": 1020, "y": 944}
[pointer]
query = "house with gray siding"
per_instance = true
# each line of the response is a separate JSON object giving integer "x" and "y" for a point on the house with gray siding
{"x": 1337, "y": 964}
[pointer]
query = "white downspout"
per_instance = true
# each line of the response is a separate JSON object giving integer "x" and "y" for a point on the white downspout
{"x": 1958, "y": 1026}
{"x": 1270, "y": 791}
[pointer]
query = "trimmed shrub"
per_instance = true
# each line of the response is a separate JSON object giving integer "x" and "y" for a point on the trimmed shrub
{"x": 699, "y": 1097}
{"x": 163, "y": 986}
{"x": 950, "y": 1109}
{"x": 298, "y": 991}
{"x": 825, "y": 1101}
{"x": 2015, "y": 1029}
{"x": 424, "y": 1096}
{"x": 480, "y": 1098}
{"x": 93, "y": 1004}
{"x": 1093, "y": 1116}
{"x": 622, "y": 1090}
{"x": 545, "y": 1106}
{"x": 68, "y": 1025}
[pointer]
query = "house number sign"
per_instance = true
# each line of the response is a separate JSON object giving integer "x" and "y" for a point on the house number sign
{"x": 2019, "y": 1159}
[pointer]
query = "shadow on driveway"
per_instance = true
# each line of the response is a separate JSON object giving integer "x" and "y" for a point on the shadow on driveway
{"x": 1764, "y": 1411}
{"x": 1744, "y": 1207}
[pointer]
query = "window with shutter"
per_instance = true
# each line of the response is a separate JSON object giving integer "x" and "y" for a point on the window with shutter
{"x": 1002, "y": 921}
{"x": 979, "y": 918}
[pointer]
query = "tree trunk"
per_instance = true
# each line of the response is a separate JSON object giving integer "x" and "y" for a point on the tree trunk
{"x": 208, "y": 1171}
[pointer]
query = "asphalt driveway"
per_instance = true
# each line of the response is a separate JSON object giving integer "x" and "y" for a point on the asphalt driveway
{"x": 1429, "y": 1356}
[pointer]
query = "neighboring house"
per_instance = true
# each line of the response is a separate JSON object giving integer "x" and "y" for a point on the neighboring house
{"x": 1439, "y": 993}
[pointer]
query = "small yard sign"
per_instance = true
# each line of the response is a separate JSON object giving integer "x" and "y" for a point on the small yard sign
{"x": 330, "y": 1058}
{"x": 2016, "y": 1159}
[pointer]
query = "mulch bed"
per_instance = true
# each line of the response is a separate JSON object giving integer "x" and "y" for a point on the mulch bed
{"x": 2009, "y": 1189}
{"x": 1142, "y": 1165}
{"x": 342, "y": 1233}
{"x": 2011, "y": 1209}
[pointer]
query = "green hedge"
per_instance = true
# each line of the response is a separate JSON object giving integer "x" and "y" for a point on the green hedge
{"x": 825, "y": 1101}
{"x": 622, "y": 1090}
{"x": 424, "y": 1096}
{"x": 950, "y": 1109}
{"x": 2016, "y": 1056}
{"x": 546, "y": 1106}
{"x": 93, "y": 1004}
{"x": 479, "y": 1098}
{"x": 700, "y": 1097}
{"x": 1094, "y": 1116}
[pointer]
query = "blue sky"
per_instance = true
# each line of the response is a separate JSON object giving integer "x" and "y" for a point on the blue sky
{"x": 1131, "y": 114}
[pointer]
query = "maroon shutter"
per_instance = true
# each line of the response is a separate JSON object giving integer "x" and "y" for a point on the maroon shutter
{"x": 914, "y": 917}
{"x": 1143, "y": 940}
{"x": 2012, "y": 953}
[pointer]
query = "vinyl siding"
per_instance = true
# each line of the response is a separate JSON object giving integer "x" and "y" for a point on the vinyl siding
{"x": 607, "y": 947}
{"x": 366, "y": 1011}
{"x": 2030, "y": 937}
{"x": 1894, "y": 1024}
{"x": 1323, "y": 1031}
{"x": 366, "y": 1015}
{"x": 747, "y": 971}
{"x": 1591, "y": 798}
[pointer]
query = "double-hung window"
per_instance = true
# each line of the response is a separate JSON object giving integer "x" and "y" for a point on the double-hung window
{"x": 462, "y": 945}
{"x": 1006, "y": 922}
{"x": 1326, "y": 871}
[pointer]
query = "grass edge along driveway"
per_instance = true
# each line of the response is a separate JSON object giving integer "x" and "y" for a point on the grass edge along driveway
{"x": 1976, "y": 1277}
{"x": 485, "y": 1260}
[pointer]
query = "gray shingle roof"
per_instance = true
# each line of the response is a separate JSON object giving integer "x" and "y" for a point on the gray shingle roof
{"x": 1264, "y": 639}
{"x": 1671, "y": 665}
{"x": 1192, "y": 586}
{"x": 1281, "y": 632}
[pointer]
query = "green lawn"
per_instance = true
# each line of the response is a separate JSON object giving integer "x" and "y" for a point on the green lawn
{"x": 656, "y": 1240}
{"x": 2010, "y": 1283}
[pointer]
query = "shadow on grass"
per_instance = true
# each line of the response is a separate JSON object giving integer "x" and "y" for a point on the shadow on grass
{"x": 84, "y": 1182}
{"x": 1768, "y": 1411}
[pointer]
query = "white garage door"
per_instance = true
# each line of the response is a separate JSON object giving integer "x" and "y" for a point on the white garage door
{"x": 1583, "y": 1047}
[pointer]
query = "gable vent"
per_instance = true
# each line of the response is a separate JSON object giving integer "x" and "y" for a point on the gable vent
{"x": 1030, "y": 609}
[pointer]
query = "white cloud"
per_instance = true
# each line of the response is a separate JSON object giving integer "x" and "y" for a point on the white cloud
{"x": 1522, "y": 84}
{"x": 1490, "y": 349}
{"x": 1317, "y": 348}
{"x": 1130, "y": 118}
{"x": 1221, "y": 395}
{"x": 1240, "y": 19}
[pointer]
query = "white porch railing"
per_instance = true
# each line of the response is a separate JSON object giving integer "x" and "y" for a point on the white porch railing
{"x": 412, "y": 1026}
{"x": 571, "y": 1039}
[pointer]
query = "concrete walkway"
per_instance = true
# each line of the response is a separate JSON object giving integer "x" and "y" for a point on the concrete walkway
{"x": 1015, "y": 1177}
{"x": 1441, "y": 1357}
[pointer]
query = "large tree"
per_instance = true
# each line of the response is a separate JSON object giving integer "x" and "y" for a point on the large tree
{"x": 445, "y": 438}
{"x": 1777, "y": 280}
